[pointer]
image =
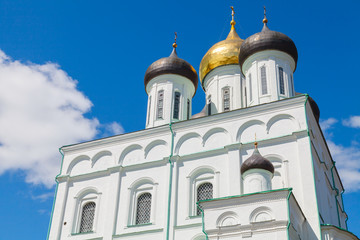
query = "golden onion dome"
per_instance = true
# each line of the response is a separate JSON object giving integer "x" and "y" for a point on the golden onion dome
{"x": 222, "y": 53}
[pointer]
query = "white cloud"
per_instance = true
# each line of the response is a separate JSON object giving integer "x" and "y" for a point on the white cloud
{"x": 348, "y": 164}
{"x": 113, "y": 128}
{"x": 327, "y": 123}
{"x": 40, "y": 111}
{"x": 353, "y": 121}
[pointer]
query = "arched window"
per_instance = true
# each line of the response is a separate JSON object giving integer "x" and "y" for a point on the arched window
{"x": 87, "y": 217}
{"x": 226, "y": 99}
{"x": 176, "y": 105}
{"x": 281, "y": 81}
{"x": 160, "y": 105}
{"x": 143, "y": 208}
{"x": 263, "y": 80}
{"x": 204, "y": 192}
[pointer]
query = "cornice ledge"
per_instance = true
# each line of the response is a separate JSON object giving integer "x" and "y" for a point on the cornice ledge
{"x": 150, "y": 133}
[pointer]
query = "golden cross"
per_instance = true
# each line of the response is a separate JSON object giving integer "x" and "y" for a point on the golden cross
{"x": 232, "y": 12}
{"x": 264, "y": 12}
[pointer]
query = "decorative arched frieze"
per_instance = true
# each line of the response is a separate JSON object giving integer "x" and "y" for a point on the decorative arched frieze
{"x": 246, "y": 132}
{"x": 227, "y": 219}
{"x": 282, "y": 124}
{"x": 261, "y": 214}
{"x": 131, "y": 154}
{"x": 102, "y": 160}
{"x": 189, "y": 143}
{"x": 79, "y": 165}
{"x": 156, "y": 150}
{"x": 216, "y": 138}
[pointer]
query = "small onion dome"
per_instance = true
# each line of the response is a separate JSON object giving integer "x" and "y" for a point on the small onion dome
{"x": 256, "y": 161}
{"x": 267, "y": 40}
{"x": 171, "y": 65}
{"x": 222, "y": 53}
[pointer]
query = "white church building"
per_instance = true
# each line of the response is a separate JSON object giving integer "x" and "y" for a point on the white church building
{"x": 253, "y": 164}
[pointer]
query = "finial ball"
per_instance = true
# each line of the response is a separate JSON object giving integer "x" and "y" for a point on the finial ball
{"x": 174, "y": 45}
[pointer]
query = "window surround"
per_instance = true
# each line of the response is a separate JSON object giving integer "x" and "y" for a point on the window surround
{"x": 264, "y": 89}
{"x": 291, "y": 83}
{"x": 160, "y": 105}
{"x": 282, "y": 85}
{"x": 144, "y": 185}
{"x": 195, "y": 179}
{"x": 223, "y": 91}
{"x": 84, "y": 197}
{"x": 177, "y": 104}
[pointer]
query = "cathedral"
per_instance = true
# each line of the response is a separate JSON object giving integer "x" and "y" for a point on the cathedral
{"x": 253, "y": 164}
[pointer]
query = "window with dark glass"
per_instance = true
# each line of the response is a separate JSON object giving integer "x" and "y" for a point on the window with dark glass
{"x": 264, "y": 89}
{"x": 204, "y": 192}
{"x": 160, "y": 105}
{"x": 281, "y": 80}
{"x": 87, "y": 217}
{"x": 209, "y": 105}
{"x": 226, "y": 99}
{"x": 143, "y": 208}
{"x": 176, "y": 105}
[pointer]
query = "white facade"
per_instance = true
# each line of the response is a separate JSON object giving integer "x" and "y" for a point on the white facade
{"x": 148, "y": 184}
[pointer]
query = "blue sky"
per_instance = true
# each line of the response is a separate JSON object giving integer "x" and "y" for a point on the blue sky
{"x": 72, "y": 71}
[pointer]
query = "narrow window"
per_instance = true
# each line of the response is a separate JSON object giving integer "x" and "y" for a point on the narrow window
{"x": 160, "y": 104}
{"x": 226, "y": 99}
{"x": 204, "y": 192}
{"x": 176, "y": 105}
{"x": 250, "y": 88}
{"x": 281, "y": 81}
{"x": 209, "y": 105}
{"x": 87, "y": 217}
{"x": 149, "y": 109}
{"x": 143, "y": 208}
{"x": 188, "y": 109}
{"x": 263, "y": 80}
{"x": 291, "y": 85}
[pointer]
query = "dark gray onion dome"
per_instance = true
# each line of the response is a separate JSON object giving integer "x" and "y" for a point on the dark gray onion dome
{"x": 171, "y": 65}
{"x": 267, "y": 40}
{"x": 256, "y": 161}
